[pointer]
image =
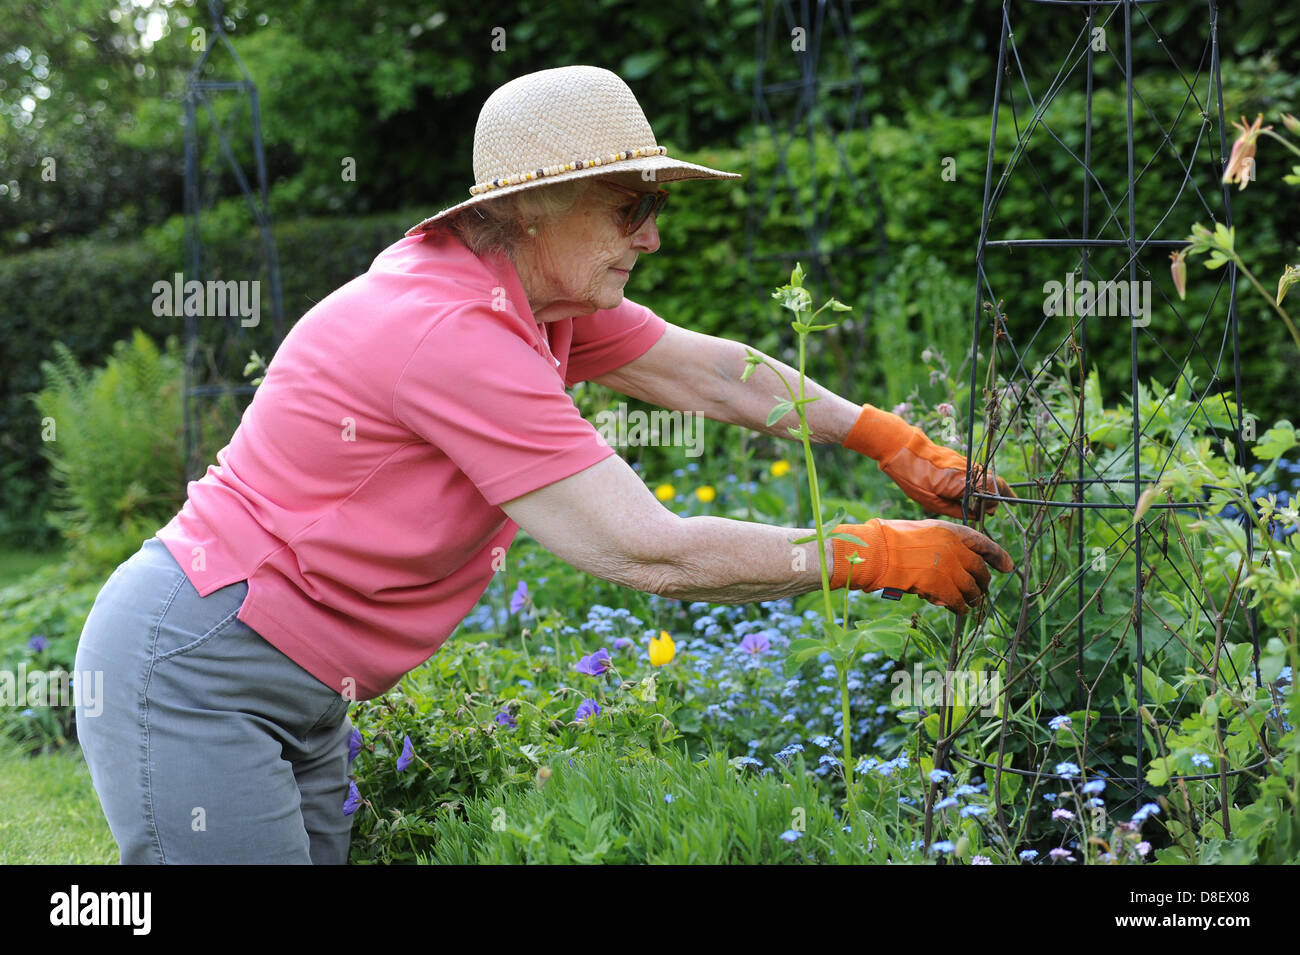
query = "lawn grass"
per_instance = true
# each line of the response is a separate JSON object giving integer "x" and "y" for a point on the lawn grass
{"x": 50, "y": 815}
{"x": 16, "y": 563}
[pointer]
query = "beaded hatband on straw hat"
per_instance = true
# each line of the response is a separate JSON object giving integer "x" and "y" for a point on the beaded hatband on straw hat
{"x": 562, "y": 124}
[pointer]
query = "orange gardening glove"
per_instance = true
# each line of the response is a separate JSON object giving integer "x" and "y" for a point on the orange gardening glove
{"x": 931, "y": 475}
{"x": 937, "y": 560}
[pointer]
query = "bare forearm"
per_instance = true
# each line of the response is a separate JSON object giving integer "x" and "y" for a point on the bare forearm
{"x": 687, "y": 371}
{"x": 725, "y": 561}
{"x": 748, "y": 403}
{"x": 604, "y": 521}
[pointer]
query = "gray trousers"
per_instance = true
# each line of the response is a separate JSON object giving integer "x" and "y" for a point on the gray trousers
{"x": 207, "y": 744}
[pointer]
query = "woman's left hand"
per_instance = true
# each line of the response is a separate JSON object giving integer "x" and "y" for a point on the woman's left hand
{"x": 930, "y": 474}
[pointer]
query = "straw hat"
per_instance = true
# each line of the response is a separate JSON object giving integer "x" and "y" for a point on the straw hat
{"x": 563, "y": 124}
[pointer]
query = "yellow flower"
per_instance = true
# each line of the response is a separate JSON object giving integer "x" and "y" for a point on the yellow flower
{"x": 706, "y": 493}
{"x": 665, "y": 492}
{"x": 662, "y": 649}
{"x": 780, "y": 468}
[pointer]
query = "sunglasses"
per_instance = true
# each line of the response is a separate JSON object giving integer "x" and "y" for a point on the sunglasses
{"x": 648, "y": 204}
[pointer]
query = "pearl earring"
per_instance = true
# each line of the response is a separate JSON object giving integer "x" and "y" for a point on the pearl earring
{"x": 532, "y": 230}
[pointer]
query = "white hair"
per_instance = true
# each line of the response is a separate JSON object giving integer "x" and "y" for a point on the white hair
{"x": 501, "y": 224}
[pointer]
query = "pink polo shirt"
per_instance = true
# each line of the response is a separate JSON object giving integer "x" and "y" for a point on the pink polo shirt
{"x": 359, "y": 494}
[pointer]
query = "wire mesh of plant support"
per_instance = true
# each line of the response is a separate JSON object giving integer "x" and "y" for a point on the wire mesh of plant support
{"x": 1112, "y": 614}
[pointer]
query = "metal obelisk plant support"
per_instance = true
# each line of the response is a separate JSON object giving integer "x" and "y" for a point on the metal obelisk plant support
{"x": 1072, "y": 495}
{"x": 203, "y": 179}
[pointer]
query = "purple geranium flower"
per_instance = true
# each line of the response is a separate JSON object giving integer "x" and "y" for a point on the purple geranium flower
{"x": 622, "y": 643}
{"x": 519, "y": 597}
{"x": 354, "y": 744}
{"x": 354, "y": 799}
{"x": 408, "y": 754}
{"x": 595, "y": 664}
{"x": 38, "y": 643}
{"x": 755, "y": 643}
{"x": 587, "y": 708}
{"x": 505, "y": 718}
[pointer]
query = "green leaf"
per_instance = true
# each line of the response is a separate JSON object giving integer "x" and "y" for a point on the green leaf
{"x": 804, "y": 649}
{"x": 1272, "y": 660}
{"x": 1156, "y": 691}
{"x": 642, "y": 64}
{"x": 931, "y": 725}
{"x": 768, "y": 503}
{"x": 1011, "y": 783}
{"x": 836, "y": 519}
{"x": 851, "y": 538}
{"x": 1276, "y": 441}
{"x": 1159, "y": 771}
{"x": 796, "y": 275}
{"x": 779, "y": 411}
{"x": 887, "y": 636}
{"x": 833, "y": 631}
{"x": 795, "y": 299}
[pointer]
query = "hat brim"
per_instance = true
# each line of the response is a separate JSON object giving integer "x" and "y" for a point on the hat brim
{"x": 664, "y": 168}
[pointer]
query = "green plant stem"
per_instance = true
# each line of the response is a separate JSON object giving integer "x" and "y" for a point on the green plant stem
{"x": 814, "y": 497}
{"x": 799, "y": 402}
{"x": 1281, "y": 139}
{"x": 1290, "y": 325}
{"x": 845, "y": 732}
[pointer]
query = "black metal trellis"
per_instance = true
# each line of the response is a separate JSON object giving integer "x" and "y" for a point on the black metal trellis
{"x": 218, "y": 346}
{"x": 1113, "y": 237}
{"x": 797, "y": 96}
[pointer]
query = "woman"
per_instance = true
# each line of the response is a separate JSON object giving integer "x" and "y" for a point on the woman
{"x": 407, "y": 427}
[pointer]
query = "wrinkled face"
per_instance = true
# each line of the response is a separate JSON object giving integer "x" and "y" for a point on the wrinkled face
{"x": 580, "y": 262}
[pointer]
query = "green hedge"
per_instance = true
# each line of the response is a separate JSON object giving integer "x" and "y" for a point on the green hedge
{"x": 89, "y": 296}
{"x": 919, "y": 295}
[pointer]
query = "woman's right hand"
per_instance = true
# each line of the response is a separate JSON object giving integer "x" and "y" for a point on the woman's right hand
{"x": 946, "y": 563}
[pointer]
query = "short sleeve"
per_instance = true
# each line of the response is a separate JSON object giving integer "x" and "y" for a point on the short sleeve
{"x": 482, "y": 394}
{"x": 610, "y": 338}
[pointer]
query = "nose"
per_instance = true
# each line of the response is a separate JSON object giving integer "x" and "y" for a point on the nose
{"x": 646, "y": 238}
